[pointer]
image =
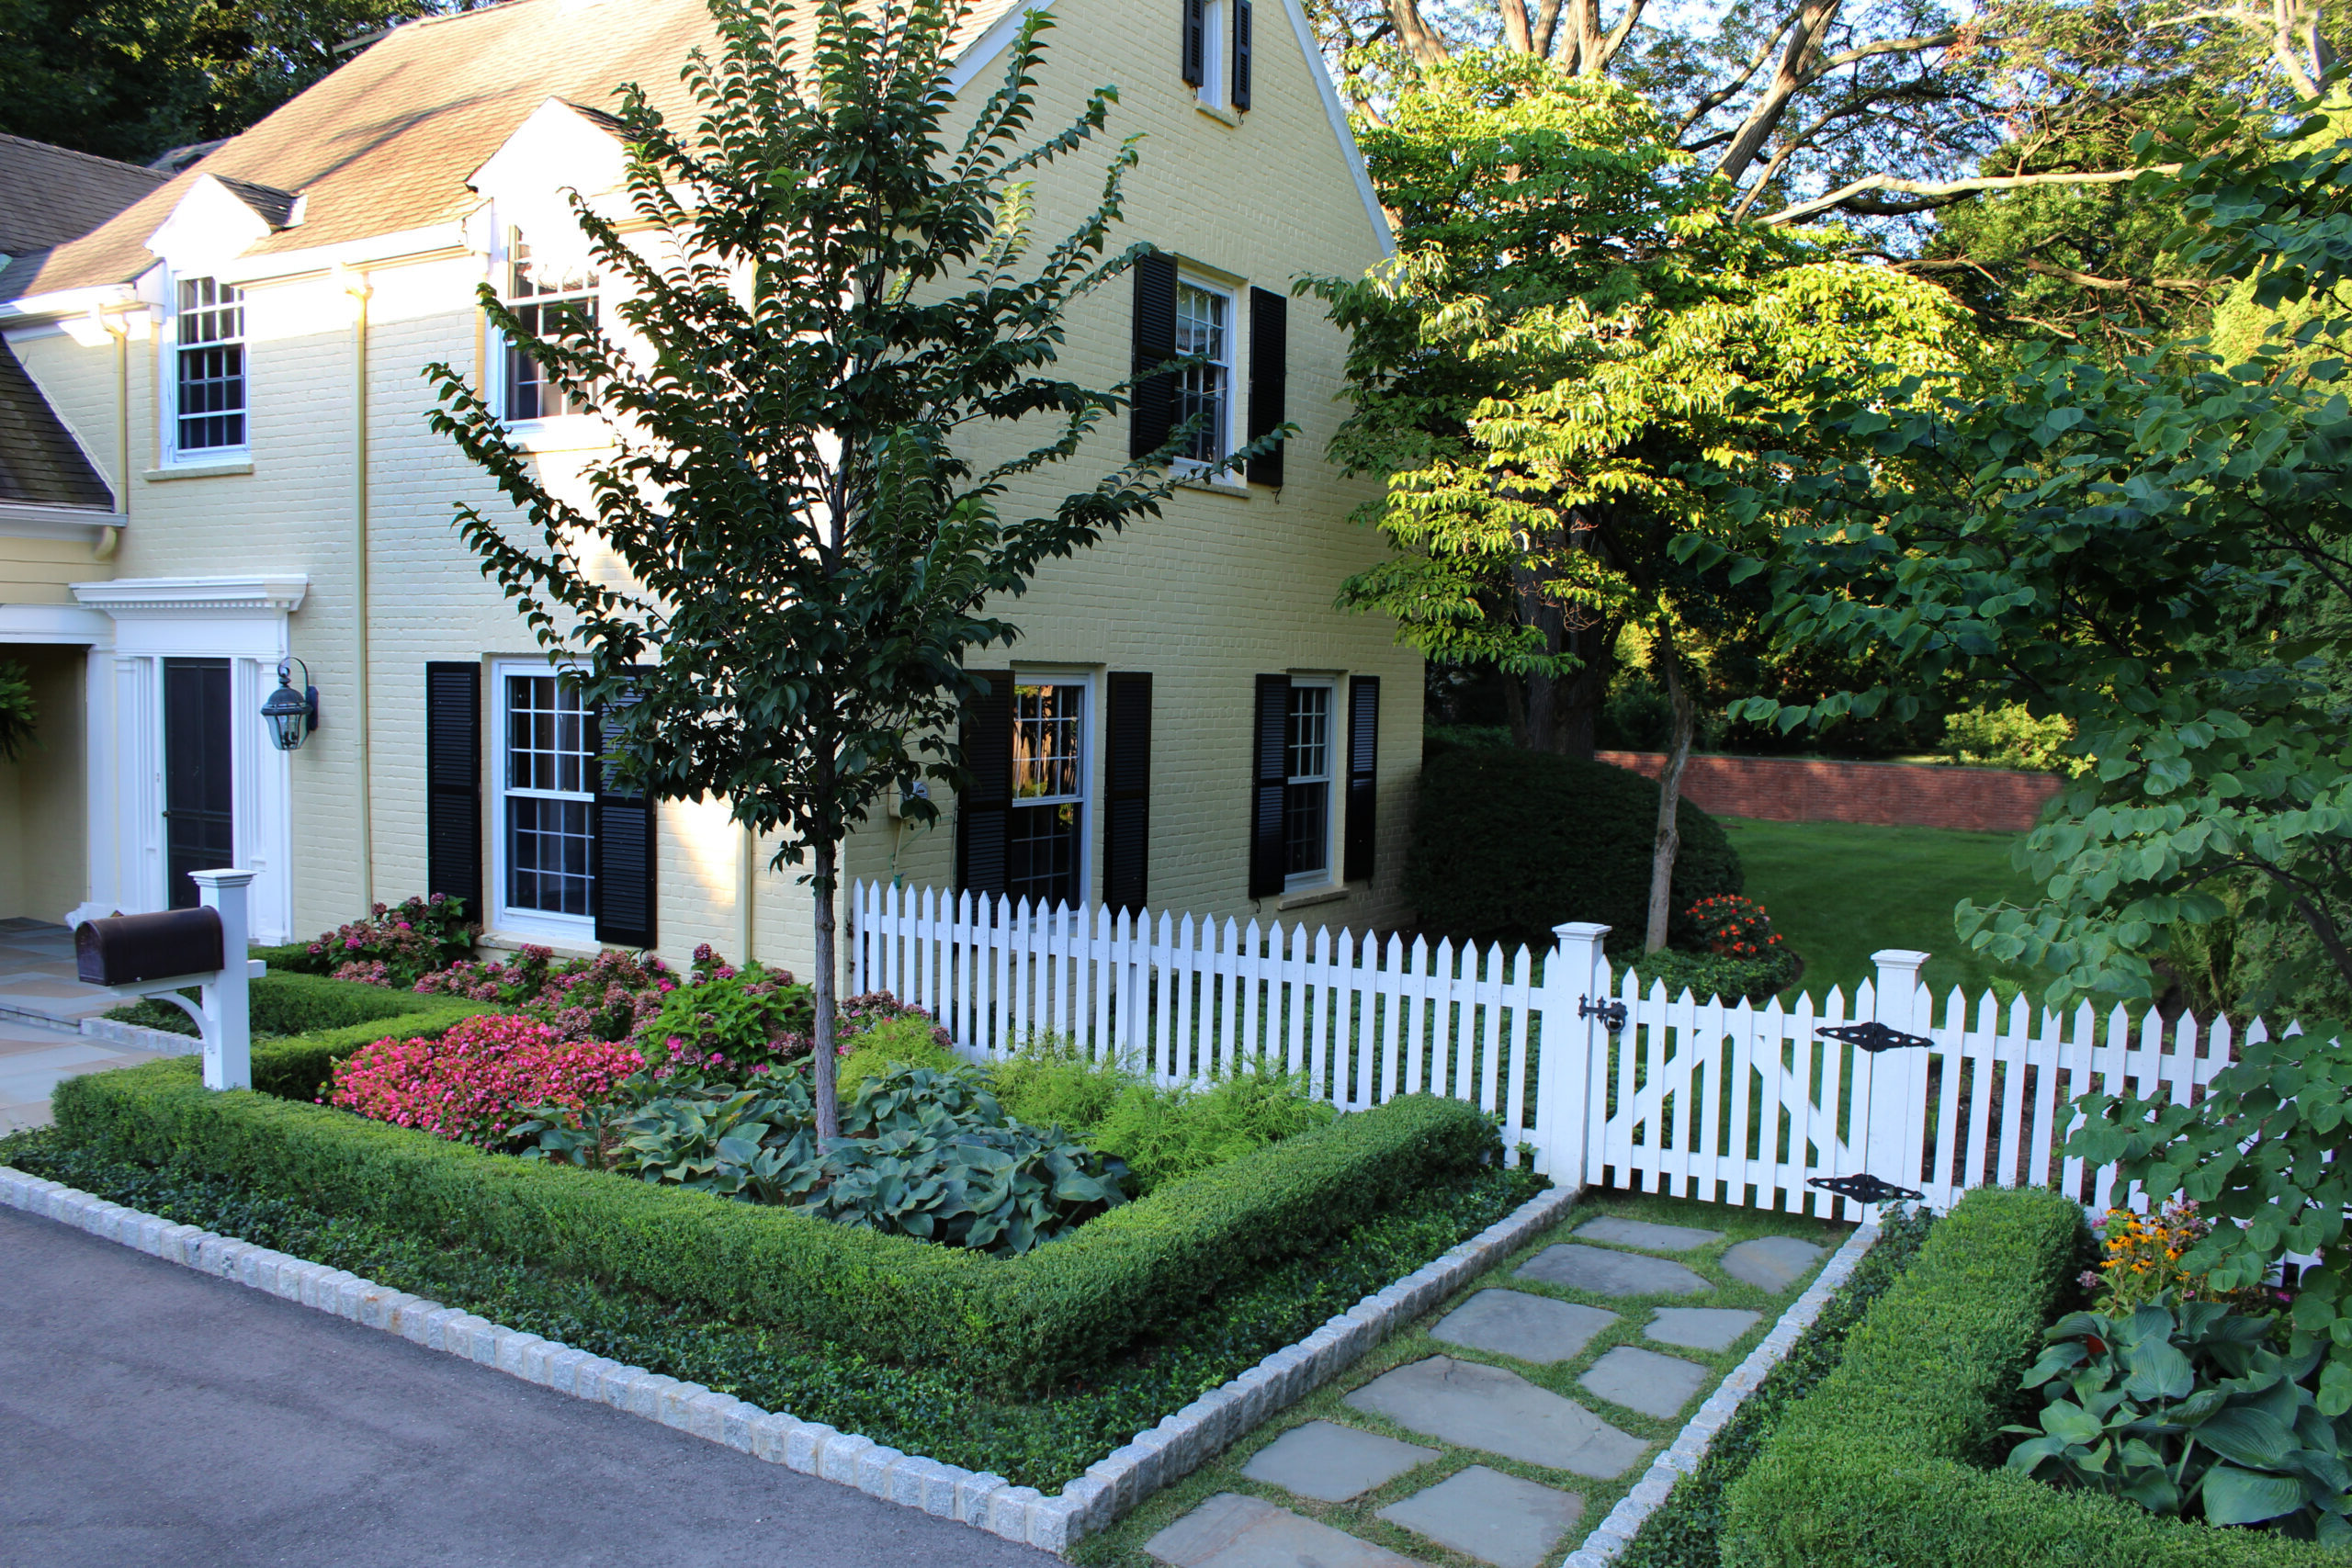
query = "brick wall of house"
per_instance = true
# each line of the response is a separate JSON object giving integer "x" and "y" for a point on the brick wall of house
{"x": 1892, "y": 795}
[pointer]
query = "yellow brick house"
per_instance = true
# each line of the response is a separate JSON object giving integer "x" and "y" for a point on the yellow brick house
{"x": 1186, "y": 722}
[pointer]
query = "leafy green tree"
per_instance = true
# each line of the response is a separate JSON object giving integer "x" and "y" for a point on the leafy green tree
{"x": 2157, "y": 550}
{"x": 774, "y": 579}
{"x": 1572, "y": 317}
{"x": 18, "y": 712}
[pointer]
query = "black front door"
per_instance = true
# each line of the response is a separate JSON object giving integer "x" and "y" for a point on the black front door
{"x": 198, "y": 821}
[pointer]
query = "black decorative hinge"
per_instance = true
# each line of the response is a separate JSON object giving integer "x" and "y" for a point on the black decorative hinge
{"x": 1611, "y": 1014}
{"x": 1862, "y": 1188}
{"x": 1873, "y": 1036}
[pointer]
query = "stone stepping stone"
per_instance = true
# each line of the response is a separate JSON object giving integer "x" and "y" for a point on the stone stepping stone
{"x": 1610, "y": 1273}
{"x": 1493, "y": 1517}
{"x": 1233, "y": 1531}
{"x": 1641, "y": 1232}
{"x": 1332, "y": 1464}
{"x": 1645, "y": 1380}
{"x": 1700, "y": 1328}
{"x": 1485, "y": 1407}
{"x": 1518, "y": 1323}
{"x": 1771, "y": 1262}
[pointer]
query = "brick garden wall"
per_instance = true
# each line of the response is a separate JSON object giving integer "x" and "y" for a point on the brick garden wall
{"x": 1892, "y": 794}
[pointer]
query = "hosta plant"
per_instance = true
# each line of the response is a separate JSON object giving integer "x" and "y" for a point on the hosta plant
{"x": 2190, "y": 1410}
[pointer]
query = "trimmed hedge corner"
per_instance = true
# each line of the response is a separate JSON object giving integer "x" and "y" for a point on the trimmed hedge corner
{"x": 1891, "y": 1462}
{"x": 1022, "y": 1323}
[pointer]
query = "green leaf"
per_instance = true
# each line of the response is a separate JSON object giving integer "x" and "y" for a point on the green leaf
{"x": 2234, "y": 1496}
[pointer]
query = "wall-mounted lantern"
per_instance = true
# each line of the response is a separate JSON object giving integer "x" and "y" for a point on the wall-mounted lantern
{"x": 291, "y": 715}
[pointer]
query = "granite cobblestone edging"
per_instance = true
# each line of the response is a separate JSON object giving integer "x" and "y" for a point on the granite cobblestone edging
{"x": 1111, "y": 1486}
{"x": 1610, "y": 1536}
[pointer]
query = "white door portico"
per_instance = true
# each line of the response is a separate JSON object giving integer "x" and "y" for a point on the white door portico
{"x": 242, "y": 620}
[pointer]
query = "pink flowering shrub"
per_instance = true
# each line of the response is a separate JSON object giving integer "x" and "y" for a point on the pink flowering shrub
{"x": 609, "y": 997}
{"x": 855, "y": 1015}
{"x": 731, "y": 1022}
{"x": 480, "y": 1080}
{"x": 398, "y": 943}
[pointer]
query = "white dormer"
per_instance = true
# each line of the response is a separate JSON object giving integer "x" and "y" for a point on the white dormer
{"x": 561, "y": 148}
{"x": 216, "y": 222}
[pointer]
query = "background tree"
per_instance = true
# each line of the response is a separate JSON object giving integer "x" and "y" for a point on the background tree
{"x": 773, "y": 582}
{"x": 2157, "y": 548}
{"x": 1574, "y": 317}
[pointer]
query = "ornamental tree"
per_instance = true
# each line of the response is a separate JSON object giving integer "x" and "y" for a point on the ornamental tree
{"x": 1571, "y": 321}
{"x": 829, "y": 306}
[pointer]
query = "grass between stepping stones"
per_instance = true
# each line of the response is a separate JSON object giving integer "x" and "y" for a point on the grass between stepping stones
{"x": 1122, "y": 1546}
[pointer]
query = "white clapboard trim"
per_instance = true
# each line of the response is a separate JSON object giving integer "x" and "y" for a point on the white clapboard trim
{"x": 1727, "y": 1102}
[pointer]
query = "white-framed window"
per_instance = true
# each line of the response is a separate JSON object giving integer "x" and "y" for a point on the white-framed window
{"x": 207, "y": 368}
{"x": 1205, "y": 391}
{"x": 1045, "y": 837}
{"x": 542, "y": 297}
{"x": 1312, "y": 744}
{"x": 1216, "y": 18}
{"x": 545, "y": 768}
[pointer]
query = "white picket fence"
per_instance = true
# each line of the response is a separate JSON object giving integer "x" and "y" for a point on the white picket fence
{"x": 1736, "y": 1104}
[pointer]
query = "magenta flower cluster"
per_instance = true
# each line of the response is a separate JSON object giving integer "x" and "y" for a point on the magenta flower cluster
{"x": 476, "y": 1083}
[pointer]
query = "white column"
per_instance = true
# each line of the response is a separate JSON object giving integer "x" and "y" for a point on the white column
{"x": 1891, "y": 1148}
{"x": 228, "y": 1016}
{"x": 1575, "y": 1049}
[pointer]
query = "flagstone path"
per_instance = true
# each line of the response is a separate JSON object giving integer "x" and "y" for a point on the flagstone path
{"x": 1468, "y": 1407}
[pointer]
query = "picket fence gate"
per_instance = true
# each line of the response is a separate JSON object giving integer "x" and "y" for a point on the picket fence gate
{"x": 1603, "y": 1081}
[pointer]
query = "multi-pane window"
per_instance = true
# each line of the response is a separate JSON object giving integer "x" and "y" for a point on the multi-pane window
{"x": 550, "y": 762}
{"x": 210, "y": 385}
{"x": 1204, "y": 328}
{"x": 549, "y": 302}
{"x": 1047, "y": 826}
{"x": 1306, "y": 805}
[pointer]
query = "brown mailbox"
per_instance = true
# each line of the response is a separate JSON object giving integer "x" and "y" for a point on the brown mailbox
{"x": 127, "y": 949}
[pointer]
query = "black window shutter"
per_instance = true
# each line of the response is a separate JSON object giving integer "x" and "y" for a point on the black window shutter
{"x": 453, "y": 783}
{"x": 1126, "y": 799}
{"x": 983, "y": 813}
{"x": 1364, "y": 765}
{"x": 1271, "y": 774}
{"x": 1268, "y": 376}
{"x": 627, "y": 848}
{"x": 1241, "y": 55}
{"x": 1196, "y": 42}
{"x": 1155, "y": 343}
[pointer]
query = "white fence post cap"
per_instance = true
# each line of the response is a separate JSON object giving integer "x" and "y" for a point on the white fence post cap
{"x": 1581, "y": 930}
{"x": 223, "y": 876}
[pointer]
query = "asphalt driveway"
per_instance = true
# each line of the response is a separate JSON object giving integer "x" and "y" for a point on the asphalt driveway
{"x": 149, "y": 1414}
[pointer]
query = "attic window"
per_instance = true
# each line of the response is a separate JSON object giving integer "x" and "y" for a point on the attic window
{"x": 550, "y": 302}
{"x": 210, "y": 407}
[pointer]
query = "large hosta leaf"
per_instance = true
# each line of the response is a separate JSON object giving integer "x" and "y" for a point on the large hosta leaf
{"x": 2234, "y": 1496}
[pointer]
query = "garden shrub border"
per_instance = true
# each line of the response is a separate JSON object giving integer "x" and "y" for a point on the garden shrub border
{"x": 1016, "y": 1324}
{"x": 1111, "y": 1487}
{"x": 1894, "y": 1460}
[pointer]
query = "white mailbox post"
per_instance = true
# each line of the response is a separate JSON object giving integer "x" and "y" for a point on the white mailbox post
{"x": 161, "y": 955}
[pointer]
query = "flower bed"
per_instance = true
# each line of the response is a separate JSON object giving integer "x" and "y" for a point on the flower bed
{"x": 1025, "y": 1322}
{"x": 1894, "y": 1461}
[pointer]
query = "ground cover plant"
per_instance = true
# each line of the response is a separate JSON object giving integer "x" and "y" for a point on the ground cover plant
{"x": 1123, "y": 1545}
{"x": 1685, "y": 1532}
{"x": 928, "y": 1409}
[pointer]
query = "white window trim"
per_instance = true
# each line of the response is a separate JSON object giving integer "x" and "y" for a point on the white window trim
{"x": 1089, "y": 751}
{"x": 552, "y": 432}
{"x": 170, "y": 457}
{"x": 1192, "y": 469}
{"x": 504, "y": 921}
{"x": 1334, "y": 748}
{"x": 1215, "y": 90}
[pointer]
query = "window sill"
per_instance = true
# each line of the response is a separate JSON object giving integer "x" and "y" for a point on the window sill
{"x": 572, "y": 432}
{"x": 1221, "y": 114}
{"x": 1306, "y": 897}
{"x": 199, "y": 470}
{"x": 1223, "y": 485}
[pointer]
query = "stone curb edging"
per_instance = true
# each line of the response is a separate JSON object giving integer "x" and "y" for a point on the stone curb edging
{"x": 1110, "y": 1488}
{"x": 1612, "y": 1534}
{"x": 139, "y": 1037}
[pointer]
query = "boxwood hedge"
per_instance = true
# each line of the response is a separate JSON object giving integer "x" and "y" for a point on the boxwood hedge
{"x": 1017, "y": 1325}
{"x": 1893, "y": 1461}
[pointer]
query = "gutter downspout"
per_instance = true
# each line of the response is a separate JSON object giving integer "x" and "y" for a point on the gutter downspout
{"x": 356, "y": 285}
{"x": 111, "y": 539}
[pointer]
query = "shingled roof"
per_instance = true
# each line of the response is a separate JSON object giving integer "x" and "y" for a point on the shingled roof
{"x": 40, "y": 463}
{"x": 49, "y": 195}
{"x": 384, "y": 144}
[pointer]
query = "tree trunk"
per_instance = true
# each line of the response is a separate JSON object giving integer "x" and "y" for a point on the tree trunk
{"x": 829, "y": 1110}
{"x": 1670, "y": 794}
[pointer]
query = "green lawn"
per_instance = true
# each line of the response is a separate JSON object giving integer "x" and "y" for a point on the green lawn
{"x": 1840, "y": 891}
